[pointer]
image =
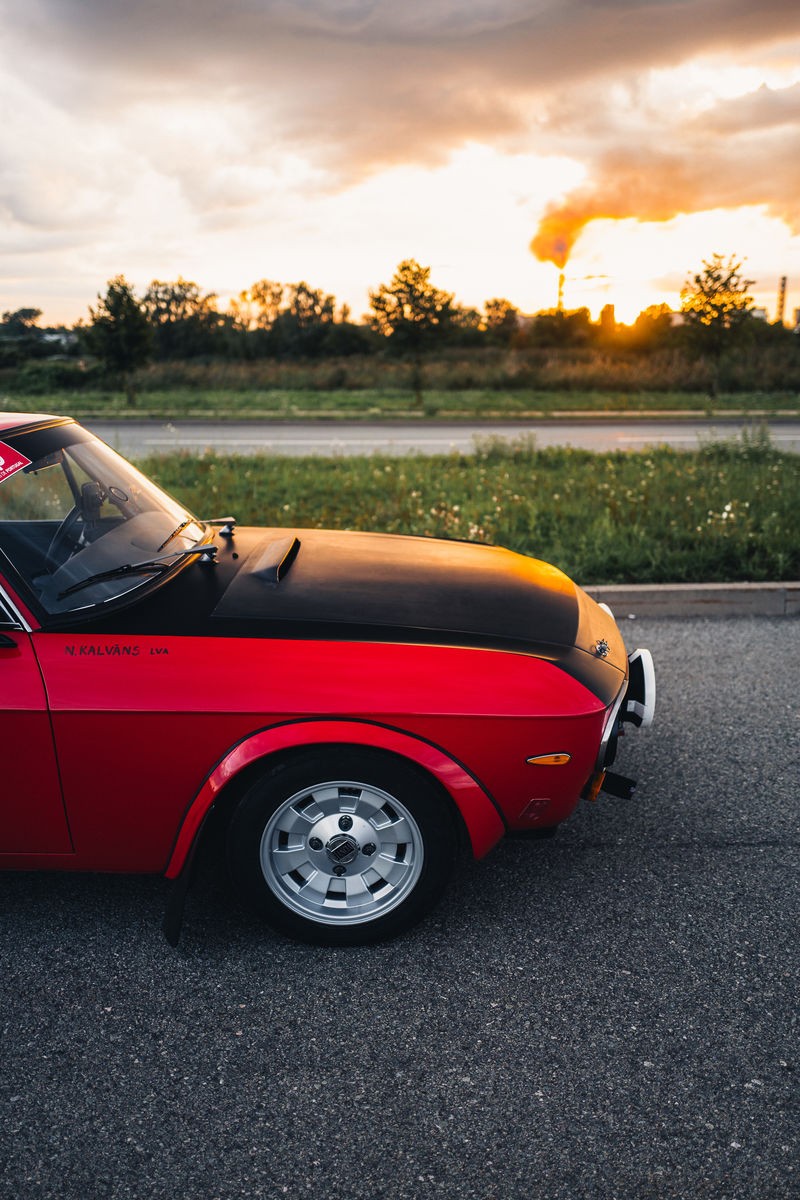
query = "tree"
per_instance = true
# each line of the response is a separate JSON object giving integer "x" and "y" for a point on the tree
{"x": 411, "y": 311}
{"x": 651, "y": 330}
{"x": 302, "y": 327}
{"x": 556, "y": 328}
{"x": 501, "y": 320}
{"x": 464, "y": 327}
{"x": 21, "y": 323}
{"x": 310, "y": 306}
{"x": 20, "y": 336}
{"x": 184, "y": 321}
{"x": 119, "y": 333}
{"x": 715, "y": 303}
{"x": 258, "y": 306}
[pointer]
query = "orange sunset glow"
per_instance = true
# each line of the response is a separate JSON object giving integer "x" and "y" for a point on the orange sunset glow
{"x": 502, "y": 143}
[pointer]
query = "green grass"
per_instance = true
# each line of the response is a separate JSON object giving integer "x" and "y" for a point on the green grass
{"x": 727, "y": 512}
{"x": 375, "y": 405}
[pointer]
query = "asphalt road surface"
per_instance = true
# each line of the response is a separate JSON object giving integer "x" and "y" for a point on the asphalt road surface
{"x": 605, "y": 1014}
{"x": 139, "y": 438}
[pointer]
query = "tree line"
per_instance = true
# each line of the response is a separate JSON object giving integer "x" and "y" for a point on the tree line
{"x": 176, "y": 319}
{"x": 409, "y": 316}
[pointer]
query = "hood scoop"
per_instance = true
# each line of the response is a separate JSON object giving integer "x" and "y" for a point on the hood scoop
{"x": 274, "y": 561}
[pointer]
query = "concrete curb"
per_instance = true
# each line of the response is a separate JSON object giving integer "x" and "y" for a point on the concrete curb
{"x": 700, "y": 599}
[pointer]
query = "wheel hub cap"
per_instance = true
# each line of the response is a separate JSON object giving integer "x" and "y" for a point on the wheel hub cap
{"x": 342, "y": 849}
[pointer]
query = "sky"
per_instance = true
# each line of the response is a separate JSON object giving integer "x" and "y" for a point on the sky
{"x": 495, "y": 141}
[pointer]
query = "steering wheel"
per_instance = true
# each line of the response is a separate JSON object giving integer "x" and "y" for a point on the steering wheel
{"x": 65, "y": 540}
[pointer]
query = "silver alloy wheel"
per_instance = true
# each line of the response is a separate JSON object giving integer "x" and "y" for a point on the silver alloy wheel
{"x": 341, "y": 852}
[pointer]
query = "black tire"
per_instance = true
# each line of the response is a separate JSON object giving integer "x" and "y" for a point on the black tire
{"x": 342, "y": 847}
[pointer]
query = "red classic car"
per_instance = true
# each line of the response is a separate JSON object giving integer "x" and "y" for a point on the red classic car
{"x": 351, "y": 705}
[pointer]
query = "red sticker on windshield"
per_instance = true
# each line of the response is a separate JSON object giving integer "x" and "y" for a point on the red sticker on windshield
{"x": 10, "y": 461}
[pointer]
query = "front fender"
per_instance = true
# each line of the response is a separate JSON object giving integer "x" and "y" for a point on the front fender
{"x": 480, "y": 814}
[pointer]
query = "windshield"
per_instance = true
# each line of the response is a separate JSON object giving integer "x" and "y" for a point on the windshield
{"x": 71, "y": 508}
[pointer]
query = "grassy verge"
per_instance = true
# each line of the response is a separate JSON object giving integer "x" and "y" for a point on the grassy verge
{"x": 375, "y": 405}
{"x": 727, "y": 512}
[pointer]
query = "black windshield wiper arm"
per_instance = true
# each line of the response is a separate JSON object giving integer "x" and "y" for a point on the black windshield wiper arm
{"x": 149, "y": 566}
{"x": 175, "y": 532}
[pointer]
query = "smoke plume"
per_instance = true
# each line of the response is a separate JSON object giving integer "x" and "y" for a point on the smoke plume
{"x": 746, "y": 153}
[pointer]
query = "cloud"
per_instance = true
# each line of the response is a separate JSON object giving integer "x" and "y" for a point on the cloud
{"x": 765, "y": 109}
{"x": 361, "y": 84}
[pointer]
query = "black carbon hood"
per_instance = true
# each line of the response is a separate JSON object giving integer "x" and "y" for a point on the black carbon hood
{"x": 371, "y": 581}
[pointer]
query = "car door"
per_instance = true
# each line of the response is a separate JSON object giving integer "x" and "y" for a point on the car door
{"x": 32, "y": 817}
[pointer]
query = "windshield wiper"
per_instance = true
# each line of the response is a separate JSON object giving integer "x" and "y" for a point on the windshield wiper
{"x": 150, "y": 566}
{"x": 175, "y": 532}
{"x": 228, "y": 525}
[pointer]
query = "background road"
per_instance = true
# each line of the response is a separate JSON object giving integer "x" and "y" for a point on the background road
{"x": 138, "y": 438}
{"x": 604, "y": 1014}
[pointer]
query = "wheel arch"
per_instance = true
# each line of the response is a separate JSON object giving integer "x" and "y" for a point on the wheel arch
{"x": 480, "y": 816}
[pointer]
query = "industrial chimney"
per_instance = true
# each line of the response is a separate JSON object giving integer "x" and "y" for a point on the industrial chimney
{"x": 781, "y": 300}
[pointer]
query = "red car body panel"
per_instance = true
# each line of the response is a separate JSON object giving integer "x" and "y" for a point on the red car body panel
{"x": 166, "y": 730}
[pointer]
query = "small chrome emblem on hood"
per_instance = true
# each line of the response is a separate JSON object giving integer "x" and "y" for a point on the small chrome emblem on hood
{"x": 601, "y": 648}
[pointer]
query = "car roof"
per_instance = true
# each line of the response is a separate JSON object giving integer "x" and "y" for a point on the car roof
{"x": 10, "y": 421}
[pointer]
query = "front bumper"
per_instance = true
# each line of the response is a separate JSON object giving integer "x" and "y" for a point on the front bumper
{"x": 640, "y": 697}
{"x": 635, "y": 705}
